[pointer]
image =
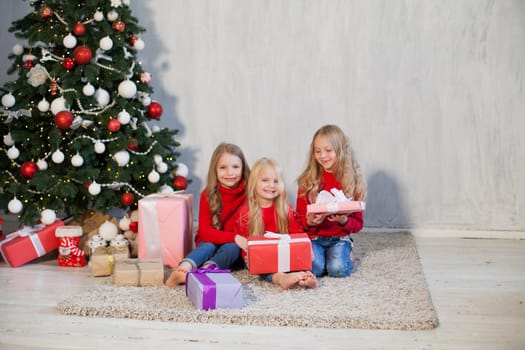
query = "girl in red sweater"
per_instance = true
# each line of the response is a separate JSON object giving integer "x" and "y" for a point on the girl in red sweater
{"x": 219, "y": 202}
{"x": 267, "y": 209}
{"x": 331, "y": 164}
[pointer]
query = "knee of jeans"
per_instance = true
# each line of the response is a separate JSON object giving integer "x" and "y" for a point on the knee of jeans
{"x": 338, "y": 269}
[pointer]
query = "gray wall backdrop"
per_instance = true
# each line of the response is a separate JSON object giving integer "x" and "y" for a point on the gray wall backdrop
{"x": 431, "y": 94}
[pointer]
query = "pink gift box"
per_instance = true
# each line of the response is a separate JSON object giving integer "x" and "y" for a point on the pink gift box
{"x": 289, "y": 252}
{"x": 29, "y": 243}
{"x": 165, "y": 227}
{"x": 336, "y": 207}
{"x": 214, "y": 289}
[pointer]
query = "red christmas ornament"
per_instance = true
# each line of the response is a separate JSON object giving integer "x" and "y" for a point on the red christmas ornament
{"x": 118, "y": 26}
{"x": 28, "y": 169}
{"x": 154, "y": 110}
{"x": 113, "y": 125}
{"x": 79, "y": 29}
{"x": 134, "y": 226}
{"x": 45, "y": 12}
{"x": 133, "y": 144}
{"x": 28, "y": 64}
{"x": 63, "y": 119}
{"x": 127, "y": 199}
{"x": 53, "y": 87}
{"x": 180, "y": 182}
{"x": 132, "y": 39}
{"x": 82, "y": 54}
{"x": 68, "y": 63}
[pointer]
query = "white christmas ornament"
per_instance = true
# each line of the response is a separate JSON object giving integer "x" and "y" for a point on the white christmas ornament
{"x": 99, "y": 147}
{"x": 14, "y": 206}
{"x": 105, "y": 43}
{"x": 121, "y": 157}
{"x": 157, "y": 158}
{"x": 102, "y": 97}
{"x": 98, "y": 16}
{"x": 139, "y": 44}
{"x": 8, "y": 100}
{"x": 94, "y": 188}
{"x": 41, "y": 164}
{"x": 69, "y": 41}
{"x": 127, "y": 89}
{"x": 58, "y": 105}
{"x": 153, "y": 177}
{"x": 123, "y": 224}
{"x": 18, "y": 49}
{"x": 13, "y": 152}
{"x": 112, "y": 15}
{"x": 77, "y": 160}
{"x": 162, "y": 167}
{"x": 43, "y": 105}
{"x": 48, "y": 216}
{"x": 166, "y": 189}
{"x": 57, "y": 157}
{"x": 108, "y": 230}
{"x": 8, "y": 139}
{"x": 123, "y": 117}
{"x": 182, "y": 170}
{"x": 146, "y": 101}
{"x": 126, "y": 2}
{"x": 88, "y": 90}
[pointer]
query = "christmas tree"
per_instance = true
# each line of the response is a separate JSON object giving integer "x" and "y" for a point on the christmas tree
{"x": 75, "y": 123}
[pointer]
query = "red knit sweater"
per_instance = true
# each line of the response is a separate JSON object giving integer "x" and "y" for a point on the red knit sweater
{"x": 328, "y": 228}
{"x": 231, "y": 201}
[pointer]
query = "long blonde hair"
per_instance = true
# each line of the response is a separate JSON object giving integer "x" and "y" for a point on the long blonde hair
{"x": 346, "y": 168}
{"x": 255, "y": 222}
{"x": 212, "y": 191}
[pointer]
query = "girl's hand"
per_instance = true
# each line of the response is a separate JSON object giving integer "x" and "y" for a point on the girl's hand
{"x": 342, "y": 219}
{"x": 314, "y": 219}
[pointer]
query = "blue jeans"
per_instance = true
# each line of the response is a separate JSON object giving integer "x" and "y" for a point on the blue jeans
{"x": 222, "y": 255}
{"x": 332, "y": 256}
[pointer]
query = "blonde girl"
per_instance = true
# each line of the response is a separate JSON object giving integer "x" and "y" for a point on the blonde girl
{"x": 267, "y": 209}
{"x": 331, "y": 164}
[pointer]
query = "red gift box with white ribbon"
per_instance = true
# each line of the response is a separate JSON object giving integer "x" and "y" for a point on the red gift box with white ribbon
{"x": 276, "y": 252}
{"x": 29, "y": 243}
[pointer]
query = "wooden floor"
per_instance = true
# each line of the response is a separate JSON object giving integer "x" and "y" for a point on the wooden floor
{"x": 477, "y": 285}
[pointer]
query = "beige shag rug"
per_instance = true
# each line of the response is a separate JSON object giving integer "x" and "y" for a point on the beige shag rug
{"x": 387, "y": 290}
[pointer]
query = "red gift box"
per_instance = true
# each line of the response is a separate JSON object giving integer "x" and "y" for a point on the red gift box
{"x": 348, "y": 207}
{"x": 279, "y": 253}
{"x": 165, "y": 227}
{"x": 29, "y": 243}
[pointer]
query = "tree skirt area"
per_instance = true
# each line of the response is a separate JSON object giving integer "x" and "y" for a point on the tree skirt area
{"x": 387, "y": 290}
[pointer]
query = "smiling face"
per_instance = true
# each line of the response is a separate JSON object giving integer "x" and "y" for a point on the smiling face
{"x": 324, "y": 153}
{"x": 267, "y": 186}
{"x": 229, "y": 170}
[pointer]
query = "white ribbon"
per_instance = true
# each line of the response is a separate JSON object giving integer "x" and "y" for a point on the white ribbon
{"x": 99, "y": 54}
{"x": 14, "y": 114}
{"x": 26, "y": 231}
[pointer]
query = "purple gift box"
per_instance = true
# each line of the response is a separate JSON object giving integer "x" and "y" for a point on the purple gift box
{"x": 211, "y": 288}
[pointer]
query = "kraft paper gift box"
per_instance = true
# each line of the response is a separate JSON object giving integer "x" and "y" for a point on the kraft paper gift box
{"x": 29, "y": 243}
{"x": 214, "y": 289}
{"x": 165, "y": 227}
{"x": 103, "y": 259}
{"x": 138, "y": 272}
{"x": 348, "y": 207}
{"x": 277, "y": 252}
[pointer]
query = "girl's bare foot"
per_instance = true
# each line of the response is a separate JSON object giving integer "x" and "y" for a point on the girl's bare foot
{"x": 308, "y": 280}
{"x": 288, "y": 280}
{"x": 177, "y": 277}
